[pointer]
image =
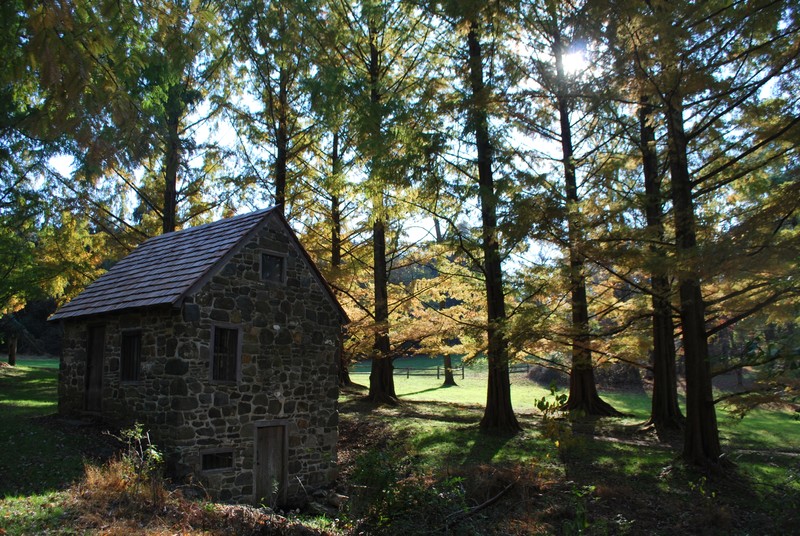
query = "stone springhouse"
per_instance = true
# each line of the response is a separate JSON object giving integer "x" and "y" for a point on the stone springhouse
{"x": 223, "y": 341}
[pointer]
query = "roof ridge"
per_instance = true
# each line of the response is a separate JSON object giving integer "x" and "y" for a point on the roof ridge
{"x": 205, "y": 226}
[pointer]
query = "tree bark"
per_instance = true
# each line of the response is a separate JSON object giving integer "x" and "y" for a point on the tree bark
{"x": 499, "y": 415}
{"x": 281, "y": 141}
{"x": 381, "y": 378}
{"x": 336, "y": 248}
{"x": 701, "y": 437}
{"x": 336, "y": 210}
{"x": 449, "y": 379}
{"x": 172, "y": 160}
{"x": 12, "y": 349}
{"x": 583, "y": 395}
{"x": 344, "y": 372}
{"x": 437, "y": 229}
{"x": 665, "y": 413}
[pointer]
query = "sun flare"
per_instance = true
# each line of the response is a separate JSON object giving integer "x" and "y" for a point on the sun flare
{"x": 574, "y": 63}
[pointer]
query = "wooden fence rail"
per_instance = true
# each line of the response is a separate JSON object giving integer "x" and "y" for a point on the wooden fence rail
{"x": 439, "y": 372}
{"x": 411, "y": 371}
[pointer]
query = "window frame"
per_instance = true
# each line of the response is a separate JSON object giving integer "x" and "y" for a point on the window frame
{"x": 213, "y": 354}
{"x": 125, "y": 335}
{"x": 262, "y": 262}
{"x": 216, "y": 453}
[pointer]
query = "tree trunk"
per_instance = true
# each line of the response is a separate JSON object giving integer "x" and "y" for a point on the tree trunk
{"x": 12, "y": 349}
{"x": 172, "y": 160}
{"x": 437, "y": 229}
{"x": 583, "y": 396}
{"x": 344, "y": 372}
{"x": 449, "y": 379}
{"x": 381, "y": 378}
{"x": 336, "y": 248}
{"x": 665, "y": 413}
{"x": 701, "y": 439}
{"x": 499, "y": 415}
{"x": 336, "y": 210}
{"x": 281, "y": 141}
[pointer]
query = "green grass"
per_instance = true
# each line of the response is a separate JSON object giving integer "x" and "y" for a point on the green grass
{"x": 605, "y": 467}
{"x": 760, "y": 429}
{"x": 447, "y": 435}
{"x": 29, "y": 444}
{"x": 34, "y": 514}
{"x": 39, "y": 460}
{"x": 471, "y": 390}
{"x": 38, "y": 361}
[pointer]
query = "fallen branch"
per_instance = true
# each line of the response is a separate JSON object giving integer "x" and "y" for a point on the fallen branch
{"x": 458, "y": 516}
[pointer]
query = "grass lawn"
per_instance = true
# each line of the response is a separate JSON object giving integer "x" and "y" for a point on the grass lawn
{"x": 27, "y": 396}
{"x": 38, "y": 361}
{"x": 760, "y": 429}
{"x": 37, "y": 461}
{"x": 424, "y": 465}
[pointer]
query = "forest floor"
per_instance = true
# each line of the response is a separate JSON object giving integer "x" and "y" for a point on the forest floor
{"x": 422, "y": 467}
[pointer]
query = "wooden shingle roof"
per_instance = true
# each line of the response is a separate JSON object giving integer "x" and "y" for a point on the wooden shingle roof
{"x": 164, "y": 269}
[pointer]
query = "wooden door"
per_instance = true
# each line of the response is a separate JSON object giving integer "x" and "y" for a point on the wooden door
{"x": 270, "y": 471}
{"x": 94, "y": 367}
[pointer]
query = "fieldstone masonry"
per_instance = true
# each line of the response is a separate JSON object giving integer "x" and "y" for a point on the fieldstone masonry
{"x": 289, "y": 334}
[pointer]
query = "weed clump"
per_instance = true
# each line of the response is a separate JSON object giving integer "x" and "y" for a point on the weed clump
{"x": 131, "y": 486}
{"x": 392, "y": 498}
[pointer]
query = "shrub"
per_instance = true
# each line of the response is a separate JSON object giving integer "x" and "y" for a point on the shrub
{"x": 390, "y": 498}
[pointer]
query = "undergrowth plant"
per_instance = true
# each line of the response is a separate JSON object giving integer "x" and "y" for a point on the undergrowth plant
{"x": 554, "y": 427}
{"x": 140, "y": 466}
{"x": 392, "y": 498}
{"x": 580, "y": 523}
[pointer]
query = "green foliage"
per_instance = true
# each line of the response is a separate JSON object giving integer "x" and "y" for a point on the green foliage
{"x": 700, "y": 487}
{"x": 580, "y": 523}
{"x": 395, "y": 499}
{"x": 21, "y": 277}
{"x": 554, "y": 428}
{"x": 549, "y": 407}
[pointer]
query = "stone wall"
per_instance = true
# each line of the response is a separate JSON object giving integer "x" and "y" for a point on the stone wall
{"x": 288, "y": 373}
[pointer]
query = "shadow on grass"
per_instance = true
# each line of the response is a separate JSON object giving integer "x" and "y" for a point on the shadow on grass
{"x": 429, "y": 411}
{"x": 450, "y": 435}
{"x": 426, "y": 390}
{"x": 41, "y": 452}
{"x": 460, "y": 446}
{"x": 26, "y": 390}
{"x": 636, "y": 485}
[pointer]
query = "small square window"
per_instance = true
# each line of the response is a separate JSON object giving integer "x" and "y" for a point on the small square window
{"x": 272, "y": 267}
{"x": 130, "y": 356}
{"x": 225, "y": 358}
{"x": 215, "y": 461}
